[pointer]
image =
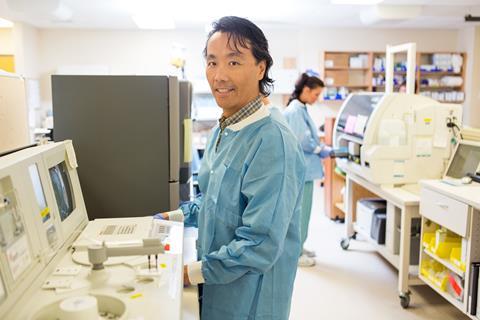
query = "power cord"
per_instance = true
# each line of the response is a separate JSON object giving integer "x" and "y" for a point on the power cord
{"x": 453, "y": 125}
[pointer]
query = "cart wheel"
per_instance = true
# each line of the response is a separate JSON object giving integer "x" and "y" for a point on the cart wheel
{"x": 405, "y": 300}
{"x": 354, "y": 237}
{"x": 345, "y": 243}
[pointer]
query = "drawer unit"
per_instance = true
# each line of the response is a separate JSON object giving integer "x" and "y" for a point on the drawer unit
{"x": 450, "y": 213}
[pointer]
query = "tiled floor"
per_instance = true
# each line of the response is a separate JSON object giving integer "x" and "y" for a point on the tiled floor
{"x": 355, "y": 284}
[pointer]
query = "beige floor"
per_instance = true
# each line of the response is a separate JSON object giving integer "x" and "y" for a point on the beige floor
{"x": 355, "y": 284}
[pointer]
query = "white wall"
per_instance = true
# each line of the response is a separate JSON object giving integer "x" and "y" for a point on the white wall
{"x": 26, "y": 50}
{"x": 474, "y": 110}
{"x": 6, "y": 41}
{"x": 469, "y": 42}
{"x": 121, "y": 52}
{"x": 148, "y": 52}
{"x": 134, "y": 52}
{"x": 466, "y": 44}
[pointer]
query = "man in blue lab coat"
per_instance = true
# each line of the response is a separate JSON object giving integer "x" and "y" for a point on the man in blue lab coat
{"x": 251, "y": 178}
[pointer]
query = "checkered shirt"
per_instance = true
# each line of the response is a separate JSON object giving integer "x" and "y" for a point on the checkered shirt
{"x": 249, "y": 109}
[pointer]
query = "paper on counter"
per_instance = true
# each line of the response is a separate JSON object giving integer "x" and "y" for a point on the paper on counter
{"x": 350, "y": 124}
{"x": 360, "y": 124}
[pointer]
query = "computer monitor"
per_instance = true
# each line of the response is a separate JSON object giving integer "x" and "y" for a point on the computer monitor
{"x": 63, "y": 181}
{"x": 465, "y": 160}
{"x": 62, "y": 189}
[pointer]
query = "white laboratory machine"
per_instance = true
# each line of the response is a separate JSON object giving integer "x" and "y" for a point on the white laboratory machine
{"x": 55, "y": 264}
{"x": 396, "y": 138}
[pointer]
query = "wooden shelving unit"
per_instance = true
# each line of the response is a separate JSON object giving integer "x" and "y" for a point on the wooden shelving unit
{"x": 349, "y": 70}
{"x": 342, "y": 78}
{"x": 340, "y": 206}
{"x": 440, "y": 91}
{"x": 333, "y": 181}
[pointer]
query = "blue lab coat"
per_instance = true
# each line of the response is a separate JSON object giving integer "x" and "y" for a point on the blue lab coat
{"x": 248, "y": 221}
{"x": 304, "y": 129}
{"x": 276, "y": 114}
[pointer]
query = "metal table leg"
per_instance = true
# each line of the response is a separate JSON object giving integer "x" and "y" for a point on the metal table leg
{"x": 404, "y": 263}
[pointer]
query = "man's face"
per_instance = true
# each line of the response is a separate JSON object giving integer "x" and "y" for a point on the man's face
{"x": 233, "y": 75}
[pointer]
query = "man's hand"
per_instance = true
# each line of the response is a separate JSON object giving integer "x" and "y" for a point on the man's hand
{"x": 161, "y": 216}
{"x": 186, "y": 280}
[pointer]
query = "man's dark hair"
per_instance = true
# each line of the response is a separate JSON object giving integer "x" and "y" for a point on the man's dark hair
{"x": 244, "y": 33}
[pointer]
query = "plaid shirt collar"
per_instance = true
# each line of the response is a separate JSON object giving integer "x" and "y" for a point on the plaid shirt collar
{"x": 249, "y": 109}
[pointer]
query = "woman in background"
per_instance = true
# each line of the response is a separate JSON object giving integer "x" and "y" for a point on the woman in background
{"x": 307, "y": 90}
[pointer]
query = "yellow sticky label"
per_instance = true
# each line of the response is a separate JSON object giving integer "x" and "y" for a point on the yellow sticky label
{"x": 427, "y": 120}
{"x": 187, "y": 143}
{"x": 135, "y": 296}
{"x": 45, "y": 212}
{"x": 163, "y": 265}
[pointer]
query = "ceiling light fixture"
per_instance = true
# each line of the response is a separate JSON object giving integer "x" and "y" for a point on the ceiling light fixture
{"x": 37, "y": 6}
{"x": 62, "y": 13}
{"x": 384, "y": 14}
{"x": 4, "y": 23}
{"x": 152, "y": 21}
{"x": 356, "y": 2}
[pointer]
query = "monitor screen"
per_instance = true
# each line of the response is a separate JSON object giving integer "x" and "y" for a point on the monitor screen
{"x": 62, "y": 189}
{"x": 354, "y": 117}
{"x": 465, "y": 160}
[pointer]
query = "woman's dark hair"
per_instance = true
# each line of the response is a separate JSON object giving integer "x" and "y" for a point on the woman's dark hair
{"x": 244, "y": 33}
{"x": 303, "y": 81}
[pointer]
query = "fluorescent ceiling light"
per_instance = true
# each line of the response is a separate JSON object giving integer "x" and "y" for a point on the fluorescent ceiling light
{"x": 63, "y": 13}
{"x": 357, "y": 2}
{"x": 4, "y": 23}
{"x": 153, "y": 21}
{"x": 36, "y": 6}
{"x": 385, "y": 14}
